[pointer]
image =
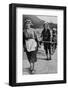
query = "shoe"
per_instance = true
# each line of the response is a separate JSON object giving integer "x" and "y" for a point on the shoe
{"x": 49, "y": 58}
{"x": 33, "y": 71}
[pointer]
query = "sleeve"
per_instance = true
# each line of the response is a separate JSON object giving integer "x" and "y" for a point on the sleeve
{"x": 35, "y": 36}
{"x": 42, "y": 33}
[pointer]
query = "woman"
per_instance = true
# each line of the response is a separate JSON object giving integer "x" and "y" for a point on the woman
{"x": 30, "y": 44}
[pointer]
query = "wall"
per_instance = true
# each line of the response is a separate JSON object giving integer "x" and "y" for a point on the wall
{"x": 4, "y": 43}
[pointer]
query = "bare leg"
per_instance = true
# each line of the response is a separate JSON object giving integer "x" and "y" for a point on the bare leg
{"x": 33, "y": 71}
{"x": 31, "y": 66}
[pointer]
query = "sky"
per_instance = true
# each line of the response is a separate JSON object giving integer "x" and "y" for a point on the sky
{"x": 51, "y": 19}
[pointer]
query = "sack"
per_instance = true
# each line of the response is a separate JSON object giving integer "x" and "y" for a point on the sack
{"x": 31, "y": 45}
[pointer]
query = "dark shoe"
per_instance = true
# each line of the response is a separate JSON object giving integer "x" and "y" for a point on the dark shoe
{"x": 33, "y": 71}
{"x": 49, "y": 58}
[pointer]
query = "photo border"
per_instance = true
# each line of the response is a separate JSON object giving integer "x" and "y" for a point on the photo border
{"x": 12, "y": 43}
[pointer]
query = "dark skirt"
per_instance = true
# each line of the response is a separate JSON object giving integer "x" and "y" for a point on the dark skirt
{"x": 32, "y": 56}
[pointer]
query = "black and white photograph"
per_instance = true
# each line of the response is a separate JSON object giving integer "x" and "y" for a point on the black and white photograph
{"x": 39, "y": 44}
{"x": 37, "y": 35}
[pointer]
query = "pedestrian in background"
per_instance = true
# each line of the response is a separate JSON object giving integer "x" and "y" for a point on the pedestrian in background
{"x": 46, "y": 40}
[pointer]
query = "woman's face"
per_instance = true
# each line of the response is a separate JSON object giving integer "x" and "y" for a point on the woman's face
{"x": 28, "y": 25}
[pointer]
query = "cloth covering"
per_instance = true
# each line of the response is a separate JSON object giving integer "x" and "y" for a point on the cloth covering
{"x": 31, "y": 45}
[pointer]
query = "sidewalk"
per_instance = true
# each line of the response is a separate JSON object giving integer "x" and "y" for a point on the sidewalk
{"x": 42, "y": 65}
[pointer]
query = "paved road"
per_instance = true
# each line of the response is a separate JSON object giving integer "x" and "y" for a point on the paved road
{"x": 42, "y": 65}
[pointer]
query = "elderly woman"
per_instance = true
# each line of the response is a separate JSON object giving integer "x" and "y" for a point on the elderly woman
{"x": 46, "y": 40}
{"x": 30, "y": 44}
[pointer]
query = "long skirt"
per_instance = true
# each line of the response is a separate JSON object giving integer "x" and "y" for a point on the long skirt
{"x": 32, "y": 56}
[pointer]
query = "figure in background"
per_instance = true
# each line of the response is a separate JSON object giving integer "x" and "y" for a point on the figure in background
{"x": 46, "y": 40}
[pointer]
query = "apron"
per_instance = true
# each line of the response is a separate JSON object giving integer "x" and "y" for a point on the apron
{"x": 31, "y": 45}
